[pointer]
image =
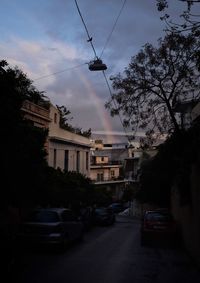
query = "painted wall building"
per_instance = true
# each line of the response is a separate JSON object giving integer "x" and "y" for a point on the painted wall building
{"x": 38, "y": 115}
{"x": 102, "y": 170}
{"x": 106, "y": 168}
{"x": 67, "y": 151}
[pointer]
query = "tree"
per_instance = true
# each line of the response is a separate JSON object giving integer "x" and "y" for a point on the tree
{"x": 156, "y": 79}
{"x": 66, "y": 188}
{"x": 190, "y": 21}
{"x": 65, "y": 120}
{"x": 189, "y": 24}
{"x": 22, "y": 145}
{"x": 171, "y": 166}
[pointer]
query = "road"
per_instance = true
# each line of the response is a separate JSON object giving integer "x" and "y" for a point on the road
{"x": 108, "y": 255}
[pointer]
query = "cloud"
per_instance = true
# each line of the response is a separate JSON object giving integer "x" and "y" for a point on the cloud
{"x": 48, "y": 41}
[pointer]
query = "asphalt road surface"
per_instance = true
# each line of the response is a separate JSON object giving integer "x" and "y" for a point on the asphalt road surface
{"x": 107, "y": 255}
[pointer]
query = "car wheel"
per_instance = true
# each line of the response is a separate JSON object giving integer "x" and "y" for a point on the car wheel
{"x": 64, "y": 244}
{"x": 81, "y": 236}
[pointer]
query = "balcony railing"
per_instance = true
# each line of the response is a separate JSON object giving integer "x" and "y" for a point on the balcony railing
{"x": 35, "y": 109}
{"x": 111, "y": 179}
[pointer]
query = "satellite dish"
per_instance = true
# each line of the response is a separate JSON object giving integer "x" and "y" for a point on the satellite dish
{"x": 97, "y": 65}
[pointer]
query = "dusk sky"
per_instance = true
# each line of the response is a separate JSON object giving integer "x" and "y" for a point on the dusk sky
{"x": 48, "y": 36}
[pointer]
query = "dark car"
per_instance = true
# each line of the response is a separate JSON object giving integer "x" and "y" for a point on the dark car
{"x": 158, "y": 227}
{"x": 117, "y": 207}
{"x": 103, "y": 216}
{"x": 86, "y": 216}
{"x": 52, "y": 227}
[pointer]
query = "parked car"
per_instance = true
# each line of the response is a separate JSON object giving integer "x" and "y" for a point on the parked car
{"x": 158, "y": 226}
{"x": 86, "y": 216}
{"x": 52, "y": 227}
{"x": 103, "y": 216}
{"x": 117, "y": 207}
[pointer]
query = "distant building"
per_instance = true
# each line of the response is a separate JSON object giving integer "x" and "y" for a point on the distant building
{"x": 106, "y": 167}
{"x": 184, "y": 111}
{"x": 102, "y": 169}
{"x": 132, "y": 164}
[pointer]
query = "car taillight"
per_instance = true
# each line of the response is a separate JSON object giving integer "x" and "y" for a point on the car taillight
{"x": 148, "y": 224}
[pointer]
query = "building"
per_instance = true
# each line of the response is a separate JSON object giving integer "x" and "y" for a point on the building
{"x": 38, "y": 115}
{"x": 106, "y": 167}
{"x": 67, "y": 151}
{"x": 102, "y": 169}
{"x": 185, "y": 112}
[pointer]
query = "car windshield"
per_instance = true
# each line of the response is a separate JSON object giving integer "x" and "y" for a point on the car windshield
{"x": 101, "y": 210}
{"x": 43, "y": 216}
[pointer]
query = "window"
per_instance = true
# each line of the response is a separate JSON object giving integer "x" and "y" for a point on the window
{"x": 55, "y": 118}
{"x": 54, "y": 157}
{"x": 87, "y": 159}
{"x": 112, "y": 173}
{"x": 43, "y": 216}
{"x": 66, "y": 160}
{"x": 78, "y": 161}
{"x": 100, "y": 177}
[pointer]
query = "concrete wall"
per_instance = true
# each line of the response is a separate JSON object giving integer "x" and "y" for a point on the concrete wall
{"x": 188, "y": 216}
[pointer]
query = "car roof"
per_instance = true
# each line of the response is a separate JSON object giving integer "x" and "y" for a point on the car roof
{"x": 157, "y": 211}
{"x": 55, "y": 209}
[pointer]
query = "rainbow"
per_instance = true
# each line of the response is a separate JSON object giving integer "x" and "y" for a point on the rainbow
{"x": 102, "y": 114}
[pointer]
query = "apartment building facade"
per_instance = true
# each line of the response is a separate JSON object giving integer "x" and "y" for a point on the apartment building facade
{"x": 67, "y": 151}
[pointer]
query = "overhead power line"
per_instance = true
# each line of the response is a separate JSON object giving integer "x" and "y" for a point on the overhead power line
{"x": 115, "y": 105}
{"x": 106, "y": 80}
{"x": 89, "y": 37}
{"x": 62, "y": 71}
{"x": 115, "y": 23}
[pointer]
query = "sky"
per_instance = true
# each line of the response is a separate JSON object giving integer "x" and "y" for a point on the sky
{"x": 48, "y": 41}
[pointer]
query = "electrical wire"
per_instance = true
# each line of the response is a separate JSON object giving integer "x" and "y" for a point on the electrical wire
{"x": 115, "y": 23}
{"x": 56, "y": 73}
{"x": 90, "y": 40}
{"x": 115, "y": 105}
{"x": 89, "y": 37}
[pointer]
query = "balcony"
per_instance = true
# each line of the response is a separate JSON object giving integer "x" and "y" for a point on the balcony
{"x": 35, "y": 110}
{"x": 108, "y": 180}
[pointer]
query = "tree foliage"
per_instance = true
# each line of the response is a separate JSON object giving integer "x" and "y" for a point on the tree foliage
{"x": 172, "y": 165}
{"x": 27, "y": 178}
{"x": 65, "y": 122}
{"x": 190, "y": 20}
{"x": 66, "y": 188}
{"x": 156, "y": 79}
{"x": 22, "y": 145}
